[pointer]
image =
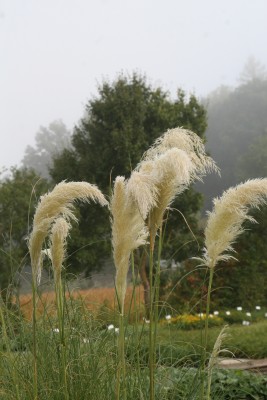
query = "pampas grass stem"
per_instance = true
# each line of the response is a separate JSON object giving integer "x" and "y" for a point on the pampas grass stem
{"x": 224, "y": 225}
{"x": 59, "y": 233}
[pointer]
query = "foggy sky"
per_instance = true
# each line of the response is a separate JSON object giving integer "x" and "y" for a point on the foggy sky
{"x": 53, "y": 53}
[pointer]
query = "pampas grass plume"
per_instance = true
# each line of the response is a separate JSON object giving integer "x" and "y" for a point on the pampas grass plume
{"x": 142, "y": 186}
{"x": 59, "y": 233}
{"x": 174, "y": 161}
{"x": 216, "y": 351}
{"x": 225, "y": 221}
{"x": 187, "y": 141}
{"x": 128, "y": 233}
{"x": 173, "y": 170}
{"x": 52, "y": 205}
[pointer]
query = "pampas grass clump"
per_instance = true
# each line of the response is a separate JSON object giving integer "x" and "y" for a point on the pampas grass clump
{"x": 138, "y": 205}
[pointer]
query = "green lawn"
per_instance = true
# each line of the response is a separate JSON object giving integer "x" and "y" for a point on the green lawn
{"x": 244, "y": 341}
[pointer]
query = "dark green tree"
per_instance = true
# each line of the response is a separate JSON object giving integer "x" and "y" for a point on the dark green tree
{"x": 244, "y": 282}
{"x": 19, "y": 193}
{"x": 120, "y": 123}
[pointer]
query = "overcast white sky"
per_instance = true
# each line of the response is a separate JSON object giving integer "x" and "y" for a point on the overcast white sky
{"x": 53, "y": 53}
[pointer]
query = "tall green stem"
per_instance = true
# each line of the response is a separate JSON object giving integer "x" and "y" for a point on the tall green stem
{"x": 151, "y": 328}
{"x": 60, "y": 311}
{"x": 154, "y": 282}
{"x": 6, "y": 341}
{"x": 35, "y": 378}
{"x": 157, "y": 283}
{"x": 136, "y": 317}
{"x": 121, "y": 371}
{"x": 204, "y": 355}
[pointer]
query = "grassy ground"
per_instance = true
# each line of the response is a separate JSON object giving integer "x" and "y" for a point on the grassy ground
{"x": 91, "y": 358}
{"x": 243, "y": 341}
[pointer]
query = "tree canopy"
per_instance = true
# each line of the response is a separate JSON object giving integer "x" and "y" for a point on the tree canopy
{"x": 120, "y": 123}
{"x": 19, "y": 193}
{"x": 237, "y": 123}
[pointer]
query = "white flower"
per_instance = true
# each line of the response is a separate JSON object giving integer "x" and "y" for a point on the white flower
{"x": 85, "y": 340}
{"x": 239, "y": 308}
{"x": 245, "y": 323}
{"x": 227, "y": 312}
{"x": 211, "y": 316}
{"x": 146, "y": 320}
{"x": 168, "y": 317}
{"x": 116, "y": 330}
{"x": 216, "y": 313}
{"x": 248, "y": 314}
{"x": 200, "y": 315}
{"x": 110, "y": 327}
{"x": 265, "y": 315}
{"x": 258, "y": 307}
{"x": 55, "y": 330}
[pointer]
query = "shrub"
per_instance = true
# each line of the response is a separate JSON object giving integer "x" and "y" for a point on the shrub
{"x": 189, "y": 321}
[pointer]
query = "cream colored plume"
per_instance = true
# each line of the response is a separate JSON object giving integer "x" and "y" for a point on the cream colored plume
{"x": 158, "y": 181}
{"x": 173, "y": 170}
{"x": 216, "y": 352}
{"x": 58, "y": 236}
{"x": 225, "y": 221}
{"x": 52, "y": 205}
{"x": 143, "y": 188}
{"x": 174, "y": 161}
{"x": 217, "y": 348}
{"x": 128, "y": 233}
{"x": 188, "y": 141}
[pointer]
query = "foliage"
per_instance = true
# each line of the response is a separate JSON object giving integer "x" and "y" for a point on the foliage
{"x": 243, "y": 341}
{"x": 236, "y": 120}
{"x": 226, "y": 384}
{"x": 239, "y": 384}
{"x": 48, "y": 143}
{"x": 91, "y": 357}
{"x": 19, "y": 193}
{"x": 190, "y": 321}
{"x": 237, "y": 140}
{"x": 120, "y": 123}
{"x": 184, "y": 287}
{"x": 240, "y": 282}
{"x": 243, "y": 282}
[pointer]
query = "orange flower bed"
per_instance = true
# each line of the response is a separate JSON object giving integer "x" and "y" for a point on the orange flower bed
{"x": 93, "y": 299}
